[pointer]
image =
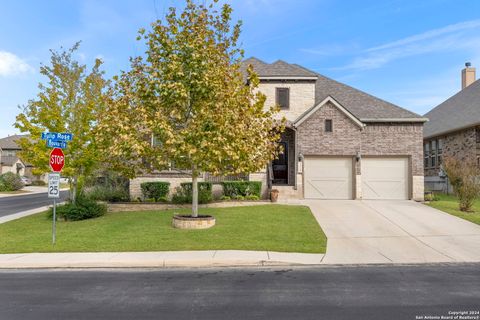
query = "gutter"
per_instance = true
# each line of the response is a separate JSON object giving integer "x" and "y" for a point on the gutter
{"x": 394, "y": 120}
{"x": 452, "y": 130}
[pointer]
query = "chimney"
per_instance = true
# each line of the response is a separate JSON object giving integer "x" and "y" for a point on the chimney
{"x": 468, "y": 75}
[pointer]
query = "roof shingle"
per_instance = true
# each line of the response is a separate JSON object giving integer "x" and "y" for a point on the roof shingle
{"x": 10, "y": 142}
{"x": 362, "y": 105}
{"x": 460, "y": 111}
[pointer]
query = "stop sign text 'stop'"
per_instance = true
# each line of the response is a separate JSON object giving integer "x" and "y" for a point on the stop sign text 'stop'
{"x": 57, "y": 160}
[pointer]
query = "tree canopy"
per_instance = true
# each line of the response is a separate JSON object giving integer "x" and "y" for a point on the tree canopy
{"x": 69, "y": 101}
{"x": 190, "y": 96}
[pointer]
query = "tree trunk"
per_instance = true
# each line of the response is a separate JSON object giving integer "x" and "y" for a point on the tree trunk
{"x": 73, "y": 190}
{"x": 194, "y": 193}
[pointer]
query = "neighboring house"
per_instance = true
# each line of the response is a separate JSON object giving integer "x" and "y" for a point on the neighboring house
{"x": 453, "y": 130}
{"x": 340, "y": 143}
{"x": 9, "y": 160}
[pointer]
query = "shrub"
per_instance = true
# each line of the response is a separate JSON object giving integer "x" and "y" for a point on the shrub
{"x": 10, "y": 182}
{"x": 107, "y": 193}
{"x": 83, "y": 208}
{"x": 239, "y": 198}
{"x": 225, "y": 198}
{"x": 242, "y": 188}
{"x": 252, "y": 197}
{"x": 38, "y": 183}
{"x": 155, "y": 190}
{"x": 464, "y": 178}
{"x": 183, "y": 193}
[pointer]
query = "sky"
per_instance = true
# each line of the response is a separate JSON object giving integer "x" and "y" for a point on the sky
{"x": 406, "y": 52}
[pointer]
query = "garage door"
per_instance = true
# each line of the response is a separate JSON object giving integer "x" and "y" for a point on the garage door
{"x": 328, "y": 178}
{"x": 384, "y": 178}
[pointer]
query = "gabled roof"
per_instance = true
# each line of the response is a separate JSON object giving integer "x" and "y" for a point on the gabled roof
{"x": 363, "y": 106}
{"x": 10, "y": 142}
{"x": 312, "y": 110}
{"x": 457, "y": 112}
{"x": 278, "y": 68}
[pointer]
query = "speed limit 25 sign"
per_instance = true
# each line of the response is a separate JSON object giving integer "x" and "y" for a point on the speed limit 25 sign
{"x": 54, "y": 185}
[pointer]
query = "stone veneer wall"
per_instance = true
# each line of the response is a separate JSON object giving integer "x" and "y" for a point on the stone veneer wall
{"x": 302, "y": 96}
{"x": 461, "y": 145}
{"x": 136, "y": 191}
{"x": 376, "y": 139}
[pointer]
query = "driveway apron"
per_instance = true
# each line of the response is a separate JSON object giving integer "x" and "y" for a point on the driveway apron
{"x": 381, "y": 231}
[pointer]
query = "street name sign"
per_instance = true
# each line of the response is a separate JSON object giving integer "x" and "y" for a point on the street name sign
{"x": 54, "y": 185}
{"x": 57, "y": 136}
{"x": 57, "y": 160}
{"x": 56, "y": 144}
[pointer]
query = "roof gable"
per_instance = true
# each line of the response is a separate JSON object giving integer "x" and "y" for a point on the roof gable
{"x": 460, "y": 111}
{"x": 363, "y": 106}
{"x": 315, "y": 108}
{"x": 278, "y": 68}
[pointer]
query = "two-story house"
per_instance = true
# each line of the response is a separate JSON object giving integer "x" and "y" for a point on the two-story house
{"x": 340, "y": 143}
{"x": 9, "y": 160}
{"x": 453, "y": 130}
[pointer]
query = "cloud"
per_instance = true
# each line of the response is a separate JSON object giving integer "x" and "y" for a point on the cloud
{"x": 455, "y": 37}
{"x": 12, "y": 65}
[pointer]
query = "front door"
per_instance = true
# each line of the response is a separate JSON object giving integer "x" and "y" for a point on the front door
{"x": 280, "y": 166}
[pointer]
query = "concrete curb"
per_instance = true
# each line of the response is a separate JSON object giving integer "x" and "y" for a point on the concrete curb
{"x": 22, "y": 214}
{"x": 163, "y": 259}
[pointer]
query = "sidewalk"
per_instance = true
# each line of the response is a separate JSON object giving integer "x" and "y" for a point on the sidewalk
{"x": 165, "y": 259}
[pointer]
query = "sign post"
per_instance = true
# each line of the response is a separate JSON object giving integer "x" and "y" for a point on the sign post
{"x": 54, "y": 192}
{"x": 57, "y": 141}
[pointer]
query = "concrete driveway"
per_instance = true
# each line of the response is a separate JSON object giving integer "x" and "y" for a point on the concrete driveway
{"x": 374, "y": 231}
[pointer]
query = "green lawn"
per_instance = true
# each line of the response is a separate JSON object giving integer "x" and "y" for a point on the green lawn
{"x": 449, "y": 204}
{"x": 265, "y": 227}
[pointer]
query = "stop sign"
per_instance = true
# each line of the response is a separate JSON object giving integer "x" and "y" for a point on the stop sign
{"x": 57, "y": 160}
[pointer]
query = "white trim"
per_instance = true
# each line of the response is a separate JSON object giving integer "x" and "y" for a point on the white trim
{"x": 307, "y": 115}
{"x": 287, "y": 78}
{"x": 394, "y": 120}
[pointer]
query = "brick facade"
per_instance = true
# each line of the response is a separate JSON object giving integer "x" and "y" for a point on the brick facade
{"x": 461, "y": 145}
{"x": 375, "y": 139}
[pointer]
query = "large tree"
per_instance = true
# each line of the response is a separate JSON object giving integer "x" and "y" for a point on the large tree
{"x": 190, "y": 97}
{"x": 69, "y": 101}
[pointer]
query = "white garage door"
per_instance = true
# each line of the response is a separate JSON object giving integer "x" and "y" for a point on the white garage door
{"x": 384, "y": 178}
{"x": 328, "y": 178}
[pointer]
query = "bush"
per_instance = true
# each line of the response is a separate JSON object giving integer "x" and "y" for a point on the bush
{"x": 10, "y": 182}
{"x": 225, "y": 198}
{"x": 252, "y": 197}
{"x": 107, "y": 193}
{"x": 183, "y": 194}
{"x": 38, "y": 183}
{"x": 83, "y": 208}
{"x": 464, "y": 178}
{"x": 242, "y": 188}
{"x": 155, "y": 190}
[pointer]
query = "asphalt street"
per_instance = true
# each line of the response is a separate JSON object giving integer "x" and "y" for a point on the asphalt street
{"x": 15, "y": 204}
{"x": 373, "y": 292}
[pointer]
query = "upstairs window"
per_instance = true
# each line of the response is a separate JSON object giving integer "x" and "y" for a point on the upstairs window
{"x": 282, "y": 98}
{"x": 328, "y": 125}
